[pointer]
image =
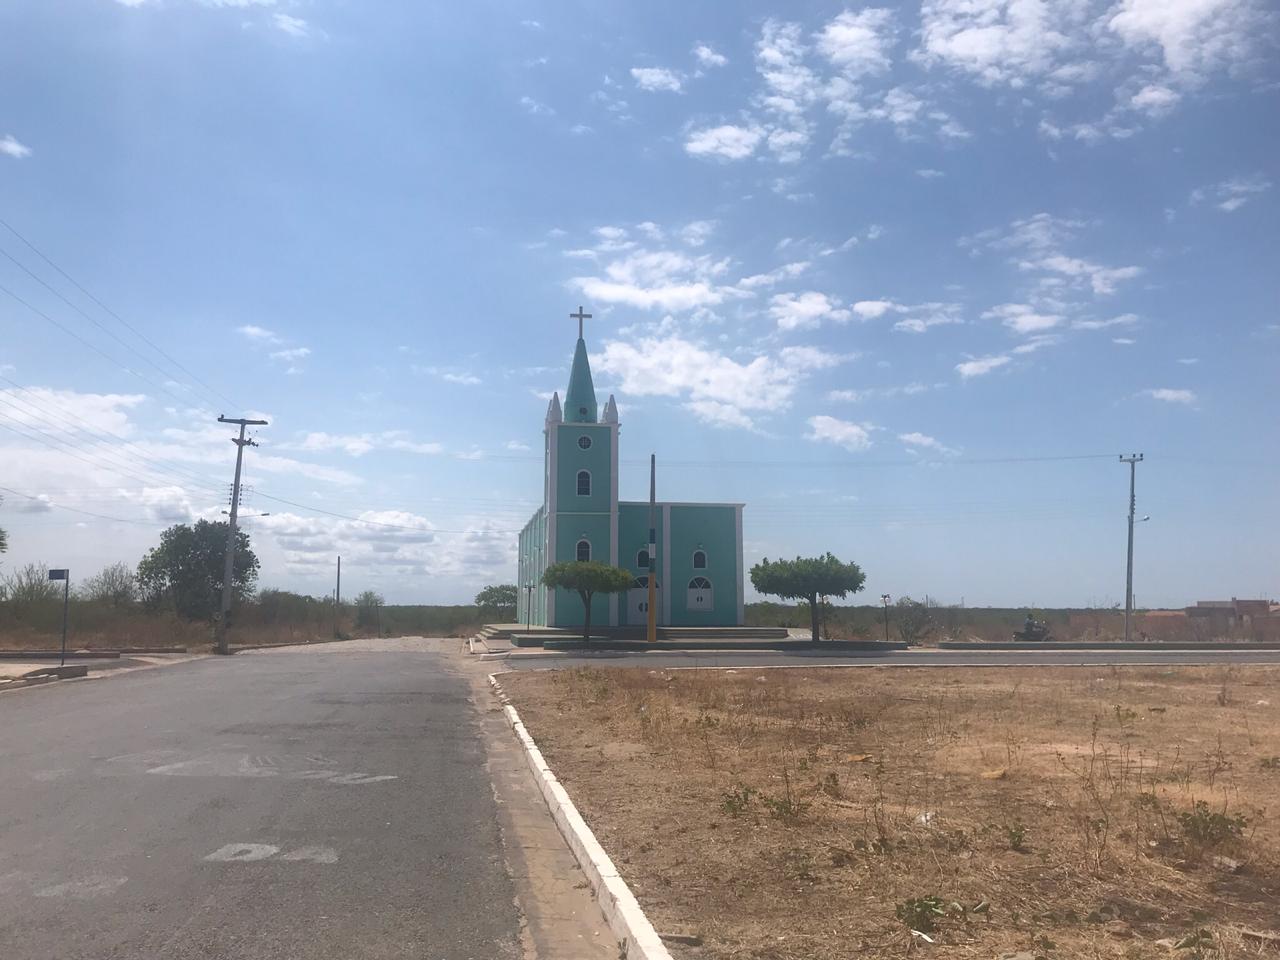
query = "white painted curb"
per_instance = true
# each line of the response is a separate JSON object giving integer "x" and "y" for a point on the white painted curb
{"x": 635, "y": 933}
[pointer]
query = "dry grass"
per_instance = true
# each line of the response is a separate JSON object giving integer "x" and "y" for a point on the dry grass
{"x": 1064, "y": 812}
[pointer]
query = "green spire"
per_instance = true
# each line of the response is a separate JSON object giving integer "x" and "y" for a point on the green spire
{"x": 580, "y": 398}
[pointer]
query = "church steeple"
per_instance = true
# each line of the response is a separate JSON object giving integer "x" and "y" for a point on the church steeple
{"x": 580, "y": 398}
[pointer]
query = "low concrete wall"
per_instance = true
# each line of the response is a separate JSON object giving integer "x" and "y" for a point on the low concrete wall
{"x": 1107, "y": 645}
{"x": 791, "y": 646}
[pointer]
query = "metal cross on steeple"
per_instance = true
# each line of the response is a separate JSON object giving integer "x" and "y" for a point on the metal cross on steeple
{"x": 579, "y": 316}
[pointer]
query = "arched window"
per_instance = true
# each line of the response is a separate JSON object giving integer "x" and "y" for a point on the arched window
{"x": 584, "y": 483}
{"x": 584, "y": 549}
{"x": 699, "y": 560}
{"x": 642, "y": 559}
{"x": 700, "y": 596}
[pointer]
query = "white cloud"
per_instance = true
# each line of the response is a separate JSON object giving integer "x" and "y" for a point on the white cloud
{"x": 1155, "y": 100}
{"x": 714, "y": 387}
{"x": 923, "y": 316}
{"x": 726, "y": 142}
{"x": 10, "y": 146}
{"x": 785, "y": 272}
{"x": 980, "y": 366}
{"x": 258, "y": 334}
{"x": 102, "y": 412}
{"x": 358, "y": 444}
{"x": 927, "y": 173}
{"x": 291, "y": 355}
{"x": 661, "y": 279}
{"x": 1188, "y": 361}
{"x": 1232, "y": 194}
{"x": 1124, "y": 320}
{"x": 536, "y": 107}
{"x": 464, "y": 379}
{"x": 1037, "y": 343}
{"x": 1194, "y": 37}
{"x": 795, "y": 311}
{"x": 1124, "y": 341}
{"x": 517, "y": 446}
{"x": 859, "y": 43}
{"x": 1102, "y": 279}
{"x": 872, "y": 309}
{"x": 1169, "y": 395}
{"x": 656, "y": 79}
{"x": 697, "y": 233}
{"x": 869, "y": 393}
{"x": 1022, "y": 318}
{"x": 855, "y": 437}
{"x": 708, "y": 57}
{"x": 294, "y": 26}
{"x": 998, "y": 41}
{"x": 925, "y": 442}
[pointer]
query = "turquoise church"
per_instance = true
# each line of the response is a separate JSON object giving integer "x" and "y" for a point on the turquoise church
{"x": 699, "y": 545}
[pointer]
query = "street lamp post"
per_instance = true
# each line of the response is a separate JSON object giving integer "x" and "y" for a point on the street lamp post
{"x": 884, "y": 598}
{"x": 65, "y": 576}
{"x": 528, "y": 605}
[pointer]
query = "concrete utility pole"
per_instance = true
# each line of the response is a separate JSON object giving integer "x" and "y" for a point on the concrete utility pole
{"x": 337, "y": 598}
{"x": 1133, "y": 461}
{"x": 228, "y": 565}
{"x": 652, "y": 633}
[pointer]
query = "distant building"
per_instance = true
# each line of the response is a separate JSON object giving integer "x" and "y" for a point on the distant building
{"x": 1220, "y": 617}
{"x": 699, "y": 545}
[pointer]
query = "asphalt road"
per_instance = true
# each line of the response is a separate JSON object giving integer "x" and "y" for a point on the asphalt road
{"x": 285, "y": 805}
{"x": 904, "y": 658}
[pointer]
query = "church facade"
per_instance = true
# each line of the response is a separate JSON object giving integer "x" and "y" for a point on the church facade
{"x": 698, "y": 545}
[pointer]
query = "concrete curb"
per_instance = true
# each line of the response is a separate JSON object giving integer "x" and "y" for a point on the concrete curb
{"x": 5, "y": 687}
{"x": 637, "y": 938}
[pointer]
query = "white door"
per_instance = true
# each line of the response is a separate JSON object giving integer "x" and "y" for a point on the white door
{"x": 700, "y": 600}
{"x": 638, "y": 602}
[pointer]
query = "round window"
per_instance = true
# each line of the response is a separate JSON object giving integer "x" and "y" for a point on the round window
{"x": 584, "y": 442}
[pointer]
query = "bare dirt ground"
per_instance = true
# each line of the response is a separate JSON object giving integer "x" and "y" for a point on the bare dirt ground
{"x": 1043, "y": 812}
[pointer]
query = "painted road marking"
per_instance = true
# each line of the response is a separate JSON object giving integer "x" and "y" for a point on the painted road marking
{"x": 252, "y": 852}
{"x": 84, "y": 889}
{"x": 245, "y": 766}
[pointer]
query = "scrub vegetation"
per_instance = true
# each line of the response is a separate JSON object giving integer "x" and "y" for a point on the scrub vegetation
{"x": 781, "y": 814}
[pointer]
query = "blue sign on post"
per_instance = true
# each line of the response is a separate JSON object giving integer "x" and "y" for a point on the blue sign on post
{"x": 65, "y": 576}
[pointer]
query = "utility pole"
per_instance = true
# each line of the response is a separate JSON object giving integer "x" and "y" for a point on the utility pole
{"x": 1133, "y": 460}
{"x": 337, "y": 598}
{"x": 229, "y": 561}
{"x": 652, "y": 633}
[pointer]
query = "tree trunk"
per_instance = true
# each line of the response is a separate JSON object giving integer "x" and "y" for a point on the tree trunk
{"x": 586, "y": 618}
{"x": 813, "y": 615}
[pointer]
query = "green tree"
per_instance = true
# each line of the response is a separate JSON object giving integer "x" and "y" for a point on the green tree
{"x": 114, "y": 585}
{"x": 369, "y": 609}
{"x": 185, "y": 571}
{"x": 807, "y": 578}
{"x": 498, "y": 601}
{"x": 915, "y": 620}
{"x": 587, "y": 578}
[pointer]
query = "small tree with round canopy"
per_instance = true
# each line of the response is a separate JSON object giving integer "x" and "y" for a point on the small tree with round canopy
{"x": 807, "y": 578}
{"x": 587, "y": 578}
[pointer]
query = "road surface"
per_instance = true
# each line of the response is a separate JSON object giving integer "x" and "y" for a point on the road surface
{"x": 279, "y": 806}
{"x": 903, "y": 658}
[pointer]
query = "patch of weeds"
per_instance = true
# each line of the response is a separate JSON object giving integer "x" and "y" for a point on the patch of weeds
{"x": 706, "y": 721}
{"x": 1199, "y": 944}
{"x": 1269, "y": 763}
{"x": 1207, "y": 827}
{"x": 787, "y": 807}
{"x": 1124, "y": 716}
{"x": 921, "y": 913}
{"x": 737, "y": 801}
{"x": 831, "y": 785}
{"x": 797, "y": 864}
{"x": 1016, "y": 834}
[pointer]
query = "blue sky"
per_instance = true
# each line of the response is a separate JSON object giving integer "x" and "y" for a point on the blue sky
{"x": 873, "y": 270}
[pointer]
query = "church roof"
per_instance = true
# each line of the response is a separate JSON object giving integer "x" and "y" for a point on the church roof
{"x": 580, "y": 398}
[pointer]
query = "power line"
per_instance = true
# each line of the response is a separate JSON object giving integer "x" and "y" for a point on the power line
{"x": 94, "y": 347}
{"x": 137, "y": 333}
{"x": 160, "y": 465}
{"x": 87, "y": 513}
